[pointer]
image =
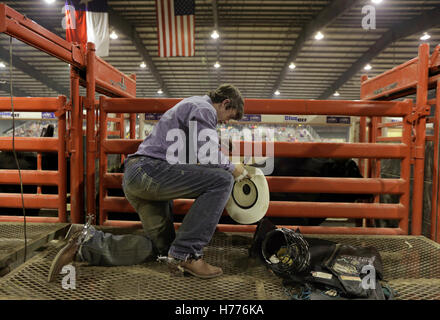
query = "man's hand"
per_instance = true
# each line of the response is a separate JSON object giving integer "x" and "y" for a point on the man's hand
{"x": 240, "y": 172}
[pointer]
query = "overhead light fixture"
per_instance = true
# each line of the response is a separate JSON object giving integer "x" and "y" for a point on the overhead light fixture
{"x": 425, "y": 36}
{"x": 292, "y": 66}
{"x": 336, "y": 94}
{"x": 2, "y": 65}
{"x": 319, "y": 36}
{"x": 217, "y": 65}
{"x": 143, "y": 65}
{"x": 113, "y": 35}
{"x": 277, "y": 93}
{"x": 49, "y": 1}
{"x": 368, "y": 67}
{"x": 215, "y": 35}
{"x": 159, "y": 91}
{"x": 376, "y": 1}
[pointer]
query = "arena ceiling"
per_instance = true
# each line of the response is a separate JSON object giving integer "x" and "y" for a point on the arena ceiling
{"x": 259, "y": 39}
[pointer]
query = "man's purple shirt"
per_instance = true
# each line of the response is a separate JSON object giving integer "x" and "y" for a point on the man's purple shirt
{"x": 198, "y": 109}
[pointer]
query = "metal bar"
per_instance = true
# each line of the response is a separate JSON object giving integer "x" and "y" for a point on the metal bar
{"x": 62, "y": 164}
{"x": 76, "y": 159}
{"x": 30, "y": 219}
{"x": 252, "y": 228}
{"x": 102, "y": 158}
{"x": 90, "y": 131}
{"x": 13, "y": 200}
{"x": 132, "y": 126}
{"x": 317, "y": 230}
{"x": 111, "y": 82}
{"x": 29, "y": 144}
{"x": 419, "y": 165}
{"x": 30, "y": 104}
{"x": 390, "y": 124}
{"x": 30, "y": 177}
{"x": 271, "y": 106}
{"x": 405, "y": 173}
{"x": 39, "y": 168}
{"x": 289, "y": 209}
{"x": 388, "y": 139}
{"x": 286, "y": 149}
{"x": 362, "y": 137}
{"x": 308, "y": 184}
{"x": 435, "y": 212}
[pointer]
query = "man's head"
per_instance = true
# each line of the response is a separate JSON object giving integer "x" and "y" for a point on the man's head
{"x": 228, "y": 102}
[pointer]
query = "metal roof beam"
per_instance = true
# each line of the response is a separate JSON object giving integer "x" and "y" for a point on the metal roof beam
{"x": 17, "y": 92}
{"x": 419, "y": 24}
{"x": 32, "y": 72}
{"x": 125, "y": 27}
{"x": 324, "y": 18}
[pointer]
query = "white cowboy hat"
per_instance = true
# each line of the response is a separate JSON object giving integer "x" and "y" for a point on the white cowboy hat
{"x": 249, "y": 199}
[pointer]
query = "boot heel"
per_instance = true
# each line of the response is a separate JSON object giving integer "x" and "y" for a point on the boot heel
{"x": 175, "y": 270}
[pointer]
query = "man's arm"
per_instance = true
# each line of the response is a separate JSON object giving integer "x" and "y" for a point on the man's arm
{"x": 208, "y": 146}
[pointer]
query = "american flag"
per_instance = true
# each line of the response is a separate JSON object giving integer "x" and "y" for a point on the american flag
{"x": 175, "y": 27}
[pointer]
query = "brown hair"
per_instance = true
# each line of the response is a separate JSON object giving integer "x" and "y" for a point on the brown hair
{"x": 228, "y": 91}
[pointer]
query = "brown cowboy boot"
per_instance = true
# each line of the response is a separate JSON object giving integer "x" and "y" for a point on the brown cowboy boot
{"x": 66, "y": 255}
{"x": 198, "y": 268}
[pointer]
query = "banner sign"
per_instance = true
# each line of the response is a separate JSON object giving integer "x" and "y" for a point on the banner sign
{"x": 341, "y": 120}
{"x": 27, "y": 115}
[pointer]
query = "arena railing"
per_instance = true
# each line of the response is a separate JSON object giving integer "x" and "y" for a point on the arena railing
{"x": 88, "y": 71}
{"x": 37, "y": 177}
{"x": 416, "y": 76}
{"x": 400, "y": 151}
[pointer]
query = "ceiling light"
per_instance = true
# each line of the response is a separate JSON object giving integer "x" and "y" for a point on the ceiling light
{"x": 376, "y": 1}
{"x": 277, "y": 93}
{"x": 319, "y": 36}
{"x": 159, "y": 91}
{"x": 425, "y": 36}
{"x": 113, "y": 35}
{"x": 368, "y": 67}
{"x": 336, "y": 94}
{"x": 217, "y": 65}
{"x": 143, "y": 65}
{"x": 2, "y": 65}
{"x": 49, "y": 1}
{"x": 292, "y": 66}
{"x": 215, "y": 35}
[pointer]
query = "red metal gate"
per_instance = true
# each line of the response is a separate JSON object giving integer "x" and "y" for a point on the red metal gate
{"x": 37, "y": 177}
{"x": 285, "y": 149}
{"x": 416, "y": 76}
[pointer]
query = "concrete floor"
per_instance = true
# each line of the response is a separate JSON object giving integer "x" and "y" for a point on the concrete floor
{"x": 411, "y": 267}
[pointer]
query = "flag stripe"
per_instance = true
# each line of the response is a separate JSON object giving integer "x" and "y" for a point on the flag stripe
{"x": 98, "y": 31}
{"x": 185, "y": 33}
{"x": 167, "y": 30}
{"x": 159, "y": 28}
{"x": 182, "y": 37}
{"x": 192, "y": 34}
{"x": 79, "y": 33}
{"x": 175, "y": 28}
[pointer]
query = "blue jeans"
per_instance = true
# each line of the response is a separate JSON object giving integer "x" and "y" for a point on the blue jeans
{"x": 150, "y": 185}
